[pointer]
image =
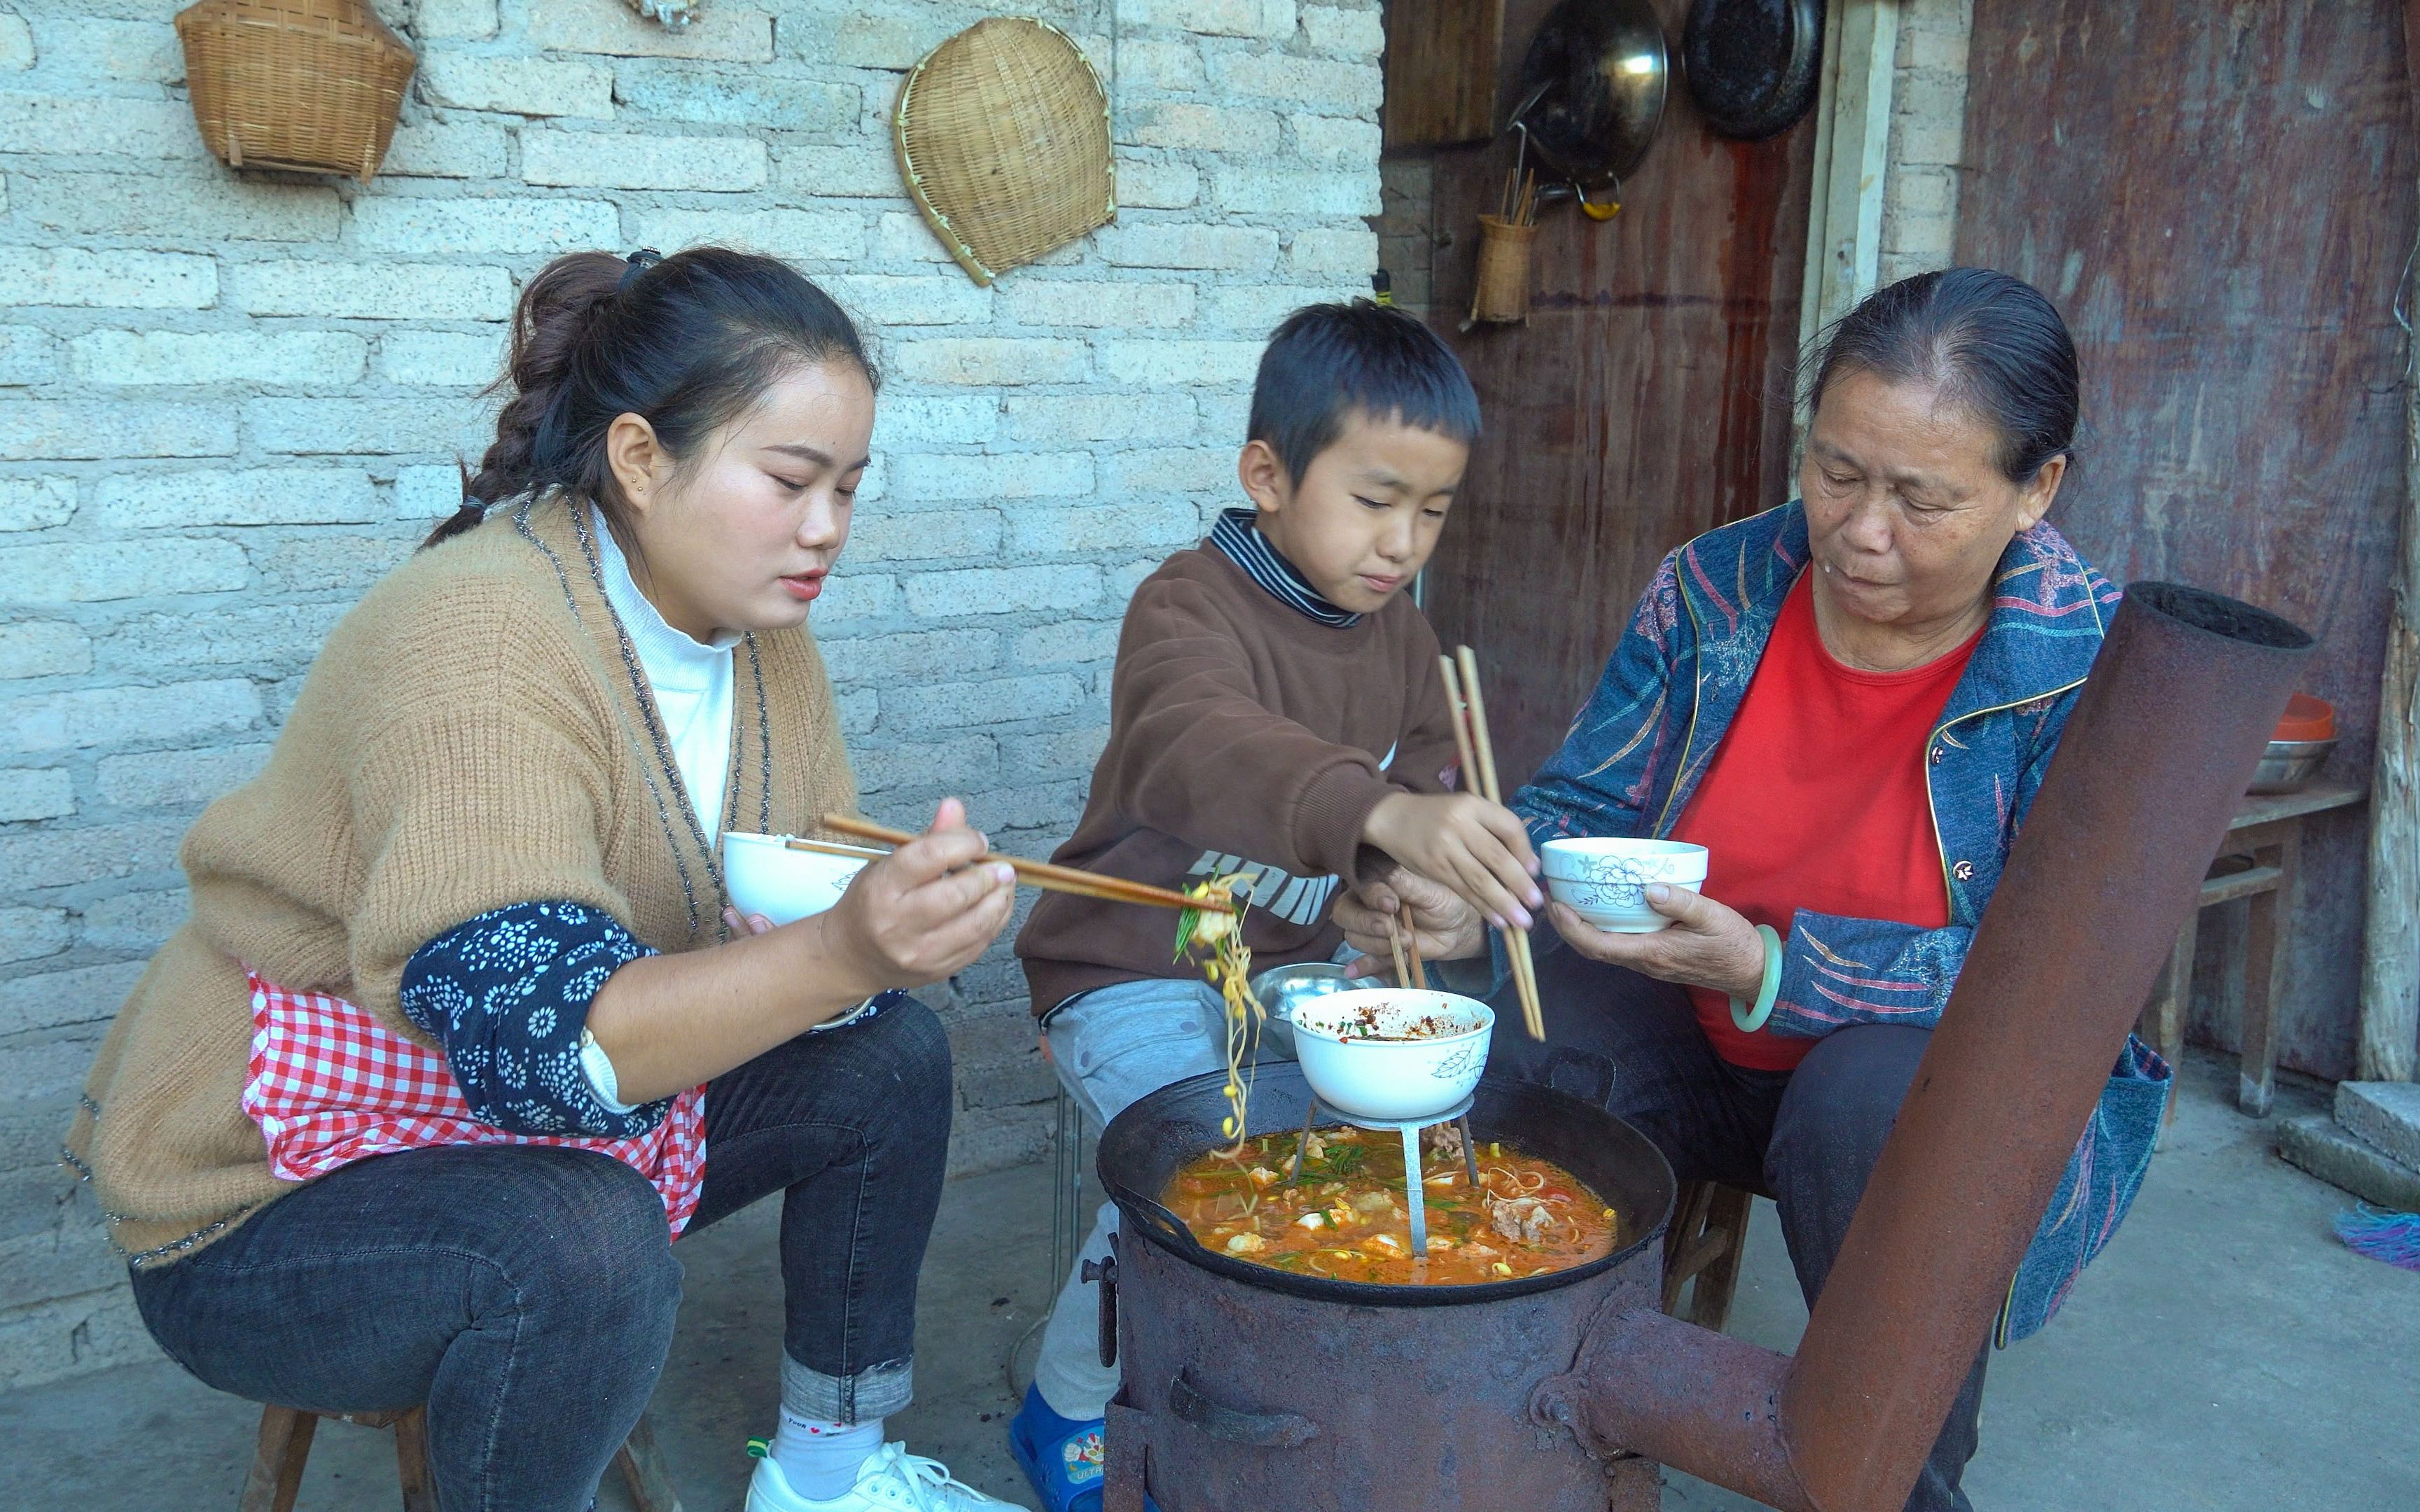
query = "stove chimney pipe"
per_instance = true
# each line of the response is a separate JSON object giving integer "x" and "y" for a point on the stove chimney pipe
{"x": 2163, "y": 743}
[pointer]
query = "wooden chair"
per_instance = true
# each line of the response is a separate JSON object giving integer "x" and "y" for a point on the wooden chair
{"x": 285, "y": 1447}
{"x": 2260, "y": 860}
{"x": 1705, "y": 1245}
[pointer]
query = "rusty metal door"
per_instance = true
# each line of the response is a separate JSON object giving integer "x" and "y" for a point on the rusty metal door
{"x": 1644, "y": 402}
{"x": 2220, "y": 200}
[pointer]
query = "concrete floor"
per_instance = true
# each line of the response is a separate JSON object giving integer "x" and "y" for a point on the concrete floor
{"x": 2226, "y": 1355}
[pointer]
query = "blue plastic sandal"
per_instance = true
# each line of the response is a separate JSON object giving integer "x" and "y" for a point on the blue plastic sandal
{"x": 1062, "y": 1457}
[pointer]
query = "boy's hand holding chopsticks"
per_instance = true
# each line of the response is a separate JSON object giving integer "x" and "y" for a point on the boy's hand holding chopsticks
{"x": 1475, "y": 847}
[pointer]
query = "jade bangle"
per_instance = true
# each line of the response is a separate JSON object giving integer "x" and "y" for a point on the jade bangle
{"x": 1752, "y": 1019}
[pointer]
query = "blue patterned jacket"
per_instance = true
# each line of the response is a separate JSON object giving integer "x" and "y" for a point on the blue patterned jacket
{"x": 1649, "y": 733}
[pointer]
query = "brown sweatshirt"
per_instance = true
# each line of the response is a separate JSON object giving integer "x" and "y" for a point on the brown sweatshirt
{"x": 1244, "y": 736}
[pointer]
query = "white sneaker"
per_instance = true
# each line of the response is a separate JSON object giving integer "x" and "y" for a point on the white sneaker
{"x": 890, "y": 1480}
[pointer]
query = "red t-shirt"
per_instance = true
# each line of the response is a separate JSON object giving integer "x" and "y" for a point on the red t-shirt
{"x": 1816, "y": 800}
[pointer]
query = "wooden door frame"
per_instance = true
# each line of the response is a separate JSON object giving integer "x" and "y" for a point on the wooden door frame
{"x": 1853, "y": 128}
{"x": 2389, "y": 1026}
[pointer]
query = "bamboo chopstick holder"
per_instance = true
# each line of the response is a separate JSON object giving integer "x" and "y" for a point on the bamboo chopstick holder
{"x": 1043, "y": 874}
{"x": 1525, "y": 970}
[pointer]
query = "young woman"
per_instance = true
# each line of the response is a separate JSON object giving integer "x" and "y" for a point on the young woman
{"x": 463, "y": 1033}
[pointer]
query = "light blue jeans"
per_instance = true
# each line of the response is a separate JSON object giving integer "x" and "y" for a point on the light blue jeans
{"x": 1112, "y": 1046}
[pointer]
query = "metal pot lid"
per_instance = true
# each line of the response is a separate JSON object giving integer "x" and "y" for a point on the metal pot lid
{"x": 1752, "y": 65}
{"x": 1592, "y": 88}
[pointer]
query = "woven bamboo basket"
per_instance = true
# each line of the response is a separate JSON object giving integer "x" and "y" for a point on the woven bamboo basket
{"x": 1003, "y": 137}
{"x": 1502, "y": 291}
{"x": 307, "y": 85}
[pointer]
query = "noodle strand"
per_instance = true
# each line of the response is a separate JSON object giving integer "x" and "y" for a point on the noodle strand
{"x": 1227, "y": 962}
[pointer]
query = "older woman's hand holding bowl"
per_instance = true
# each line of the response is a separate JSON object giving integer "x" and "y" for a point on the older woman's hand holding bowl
{"x": 1702, "y": 943}
{"x": 1635, "y": 902}
{"x": 1698, "y": 942}
{"x": 1604, "y": 878}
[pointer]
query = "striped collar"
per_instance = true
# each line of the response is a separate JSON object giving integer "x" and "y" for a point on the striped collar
{"x": 1248, "y": 548}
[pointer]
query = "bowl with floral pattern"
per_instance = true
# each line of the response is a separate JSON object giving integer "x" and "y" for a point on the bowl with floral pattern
{"x": 1605, "y": 879}
{"x": 1389, "y": 1053}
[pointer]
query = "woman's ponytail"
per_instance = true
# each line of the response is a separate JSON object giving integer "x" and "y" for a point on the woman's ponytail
{"x": 686, "y": 342}
{"x": 472, "y": 511}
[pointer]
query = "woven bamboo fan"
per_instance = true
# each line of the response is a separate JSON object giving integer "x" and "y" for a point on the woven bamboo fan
{"x": 308, "y": 84}
{"x": 1003, "y": 137}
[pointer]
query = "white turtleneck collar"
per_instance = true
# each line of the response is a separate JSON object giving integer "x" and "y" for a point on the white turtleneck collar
{"x": 691, "y": 681}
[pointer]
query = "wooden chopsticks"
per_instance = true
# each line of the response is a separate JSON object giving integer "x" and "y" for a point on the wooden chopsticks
{"x": 1411, "y": 972}
{"x": 1043, "y": 874}
{"x": 1518, "y": 204}
{"x": 854, "y": 852}
{"x": 1470, "y": 739}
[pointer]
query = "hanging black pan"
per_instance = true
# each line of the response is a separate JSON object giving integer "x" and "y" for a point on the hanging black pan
{"x": 1591, "y": 92}
{"x": 1752, "y": 64}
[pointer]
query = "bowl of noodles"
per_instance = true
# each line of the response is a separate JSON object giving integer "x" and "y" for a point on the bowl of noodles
{"x": 1390, "y": 1052}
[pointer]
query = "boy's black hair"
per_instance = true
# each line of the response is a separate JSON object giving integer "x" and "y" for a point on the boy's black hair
{"x": 1327, "y": 361}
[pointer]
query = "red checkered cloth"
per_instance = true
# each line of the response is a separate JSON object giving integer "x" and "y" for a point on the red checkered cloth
{"x": 329, "y": 1085}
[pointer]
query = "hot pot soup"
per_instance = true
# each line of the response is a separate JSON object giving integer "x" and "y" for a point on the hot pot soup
{"x": 1346, "y": 1217}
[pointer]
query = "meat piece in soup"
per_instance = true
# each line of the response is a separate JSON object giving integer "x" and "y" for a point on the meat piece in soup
{"x": 1346, "y": 1217}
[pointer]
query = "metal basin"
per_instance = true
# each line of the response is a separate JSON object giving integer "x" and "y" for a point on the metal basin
{"x": 1279, "y": 988}
{"x": 2288, "y": 765}
{"x": 1592, "y": 89}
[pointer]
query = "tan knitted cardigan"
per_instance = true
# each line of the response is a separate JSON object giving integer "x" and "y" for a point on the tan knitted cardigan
{"x": 473, "y": 734}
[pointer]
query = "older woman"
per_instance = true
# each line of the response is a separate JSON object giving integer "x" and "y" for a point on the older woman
{"x": 1851, "y": 701}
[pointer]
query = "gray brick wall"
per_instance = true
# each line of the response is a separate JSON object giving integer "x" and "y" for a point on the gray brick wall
{"x": 1927, "y": 130}
{"x": 229, "y": 402}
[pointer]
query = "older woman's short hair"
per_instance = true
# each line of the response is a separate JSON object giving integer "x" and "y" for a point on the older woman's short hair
{"x": 1988, "y": 343}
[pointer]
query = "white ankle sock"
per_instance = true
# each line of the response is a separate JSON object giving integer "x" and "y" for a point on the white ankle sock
{"x": 819, "y": 1459}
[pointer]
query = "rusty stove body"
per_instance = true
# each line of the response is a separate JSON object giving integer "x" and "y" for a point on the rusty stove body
{"x": 1262, "y": 1388}
{"x": 1252, "y": 1390}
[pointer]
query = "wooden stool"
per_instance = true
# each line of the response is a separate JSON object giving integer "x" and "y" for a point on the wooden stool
{"x": 2260, "y": 860}
{"x": 285, "y": 1447}
{"x": 1706, "y": 1243}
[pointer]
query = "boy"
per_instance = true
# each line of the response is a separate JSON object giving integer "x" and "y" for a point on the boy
{"x": 1276, "y": 710}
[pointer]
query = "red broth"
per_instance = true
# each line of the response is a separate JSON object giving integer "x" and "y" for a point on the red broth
{"x": 1346, "y": 1217}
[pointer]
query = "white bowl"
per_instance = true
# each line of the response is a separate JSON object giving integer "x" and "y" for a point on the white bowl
{"x": 1392, "y": 1078}
{"x": 1605, "y": 881}
{"x": 767, "y": 877}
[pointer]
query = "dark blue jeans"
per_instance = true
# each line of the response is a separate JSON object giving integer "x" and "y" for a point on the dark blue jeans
{"x": 1807, "y": 1137}
{"x": 527, "y": 1294}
